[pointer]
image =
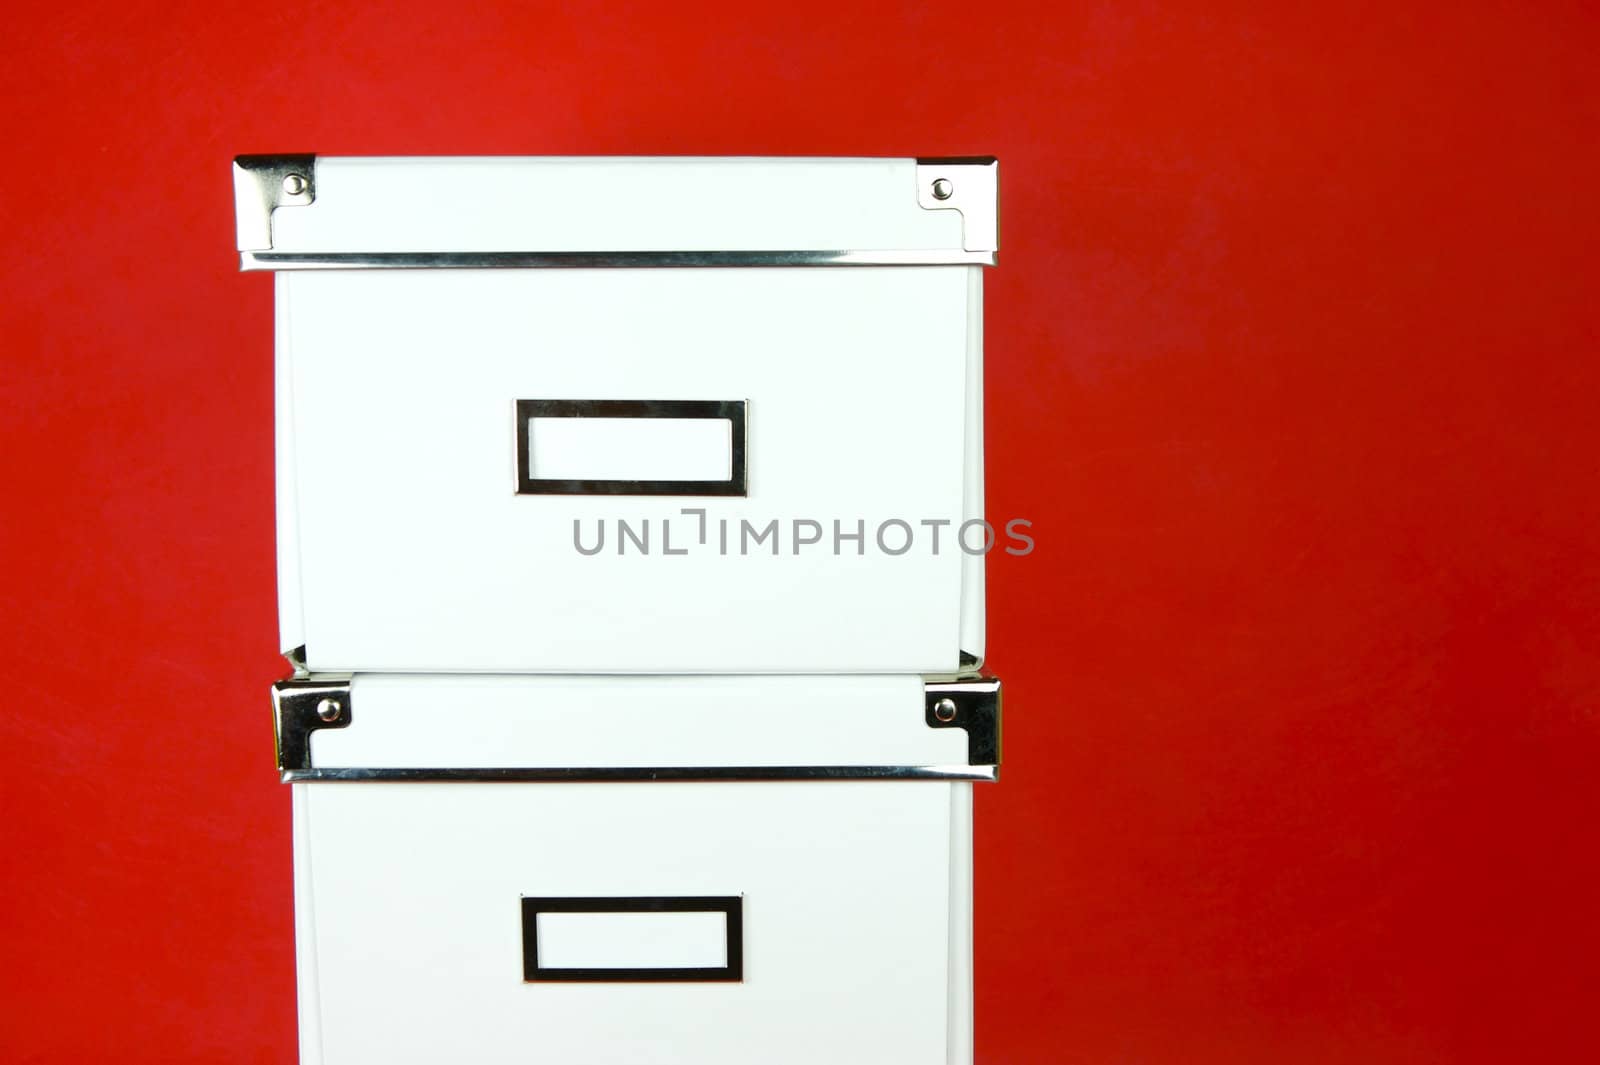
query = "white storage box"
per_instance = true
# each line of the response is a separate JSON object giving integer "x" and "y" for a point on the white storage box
{"x": 557, "y": 439}
{"x": 647, "y": 870}
{"x": 627, "y": 415}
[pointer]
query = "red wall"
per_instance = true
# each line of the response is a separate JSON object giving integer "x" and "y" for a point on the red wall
{"x": 1292, "y": 363}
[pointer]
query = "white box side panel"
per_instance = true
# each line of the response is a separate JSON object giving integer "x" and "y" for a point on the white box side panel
{"x": 486, "y": 722}
{"x": 845, "y": 902}
{"x": 960, "y": 1013}
{"x": 291, "y": 618}
{"x": 307, "y": 994}
{"x": 615, "y": 204}
{"x": 973, "y": 617}
{"x": 417, "y": 555}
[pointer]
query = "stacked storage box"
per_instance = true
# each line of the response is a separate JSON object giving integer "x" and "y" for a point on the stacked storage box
{"x": 631, "y": 566}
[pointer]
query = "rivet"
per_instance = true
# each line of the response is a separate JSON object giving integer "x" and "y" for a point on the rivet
{"x": 942, "y": 189}
{"x": 329, "y": 709}
{"x": 945, "y": 709}
{"x": 295, "y": 184}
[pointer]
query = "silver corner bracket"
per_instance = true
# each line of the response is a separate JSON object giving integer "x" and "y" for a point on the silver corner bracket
{"x": 262, "y": 184}
{"x": 300, "y": 706}
{"x": 972, "y": 704}
{"x": 971, "y": 185}
{"x": 296, "y": 657}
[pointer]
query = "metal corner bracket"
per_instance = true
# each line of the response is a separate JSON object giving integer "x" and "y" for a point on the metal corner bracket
{"x": 296, "y": 657}
{"x": 300, "y": 706}
{"x": 971, "y": 185}
{"x": 262, "y": 184}
{"x": 972, "y": 704}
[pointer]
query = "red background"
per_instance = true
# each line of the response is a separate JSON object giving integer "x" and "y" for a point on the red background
{"x": 1292, "y": 362}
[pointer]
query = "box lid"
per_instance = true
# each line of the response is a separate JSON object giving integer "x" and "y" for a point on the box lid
{"x": 412, "y": 727}
{"x": 307, "y": 211}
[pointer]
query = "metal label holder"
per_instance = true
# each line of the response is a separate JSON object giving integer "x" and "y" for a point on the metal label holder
{"x": 730, "y": 906}
{"x": 733, "y": 411}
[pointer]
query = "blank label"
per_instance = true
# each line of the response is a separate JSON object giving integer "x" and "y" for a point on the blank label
{"x": 632, "y": 940}
{"x": 630, "y": 449}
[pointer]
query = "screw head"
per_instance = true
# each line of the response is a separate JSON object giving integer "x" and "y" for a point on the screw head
{"x": 329, "y": 709}
{"x": 294, "y": 184}
{"x": 943, "y": 189}
{"x": 945, "y": 709}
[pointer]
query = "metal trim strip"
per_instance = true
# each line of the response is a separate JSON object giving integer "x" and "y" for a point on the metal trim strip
{"x": 641, "y": 774}
{"x": 582, "y": 260}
